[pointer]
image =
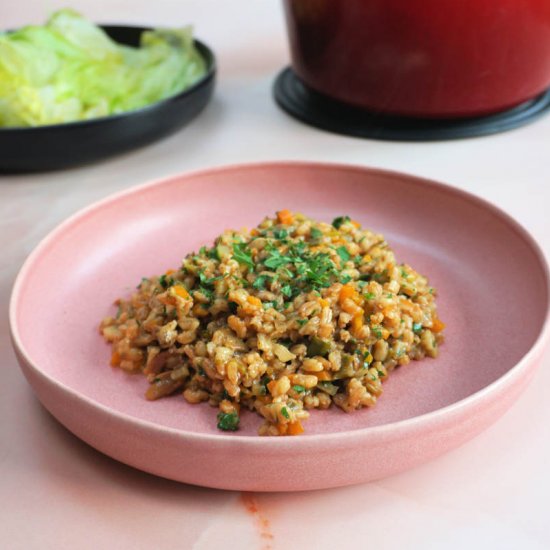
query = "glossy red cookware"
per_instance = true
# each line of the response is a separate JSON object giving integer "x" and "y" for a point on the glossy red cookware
{"x": 427, "y": 58}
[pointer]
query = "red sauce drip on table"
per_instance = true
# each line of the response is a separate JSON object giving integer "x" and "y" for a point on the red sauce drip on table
{"x": 262, "y": 523}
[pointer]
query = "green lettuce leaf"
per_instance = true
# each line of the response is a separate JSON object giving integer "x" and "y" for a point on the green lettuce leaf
{"x": 69, "y": 69}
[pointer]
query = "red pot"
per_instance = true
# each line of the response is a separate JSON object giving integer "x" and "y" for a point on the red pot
{"x": 424, "y": 58}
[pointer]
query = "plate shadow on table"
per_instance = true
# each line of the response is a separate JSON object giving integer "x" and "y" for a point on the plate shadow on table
{"x": 61, "y": 440}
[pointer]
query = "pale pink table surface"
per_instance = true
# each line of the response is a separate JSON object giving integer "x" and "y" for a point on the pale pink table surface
{"x": 58, "y": 493}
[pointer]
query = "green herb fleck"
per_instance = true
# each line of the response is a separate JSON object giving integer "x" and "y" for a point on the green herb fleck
{"x": 165, "y": 281}
{"x": 242, "y": 254}
{"x": 302, "y": 322}
{"x": 298, "y": 388}
{"x": 284, "y": 412}
{"x": 260, "y": 281}
{"x": 228, "y": 422}
{"x": 417, "y": 327}
{"x": 286, "y": 290}
{"x": 343, "y": 253}
{"x": 377, "y": 332}
{"x": 345, "y": 278}
{"x": 315, "y": 233}
{"x": 280, "y": 233}
{"x": 370, "y": 296}
{"x": 339, "y": 221}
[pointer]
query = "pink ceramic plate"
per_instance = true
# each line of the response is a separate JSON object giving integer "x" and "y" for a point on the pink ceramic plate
{"x": 493, "y": 295}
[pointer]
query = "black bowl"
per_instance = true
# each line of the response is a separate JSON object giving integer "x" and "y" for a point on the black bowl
{"x": 72, "y": 143}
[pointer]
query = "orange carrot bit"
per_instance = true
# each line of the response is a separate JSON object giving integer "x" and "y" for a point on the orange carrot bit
{"x": 181, "y": 292}
{"x": 170, "y": 271}
{"x": 349, "y": 291}
{"x": 295, "y": 428}
{"x": 254, "y": 232}
{"x": 323, "y": 376}
{"x": 254, "y": 301}
{"x": 437, "y": 326}
{"x": 115, "y": 359}
{"x": 285, "y": 217}
{"x": 323, "y": 302}
{"x": 282, "y": 428}
{"x": 357, "y": 322}
{"x": 355, "y": 224}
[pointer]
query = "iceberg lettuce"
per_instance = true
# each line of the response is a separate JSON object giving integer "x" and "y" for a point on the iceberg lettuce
{"x": 69, "y": 69}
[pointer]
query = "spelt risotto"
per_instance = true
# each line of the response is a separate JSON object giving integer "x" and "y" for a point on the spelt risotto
{"x": 291, "y": 316}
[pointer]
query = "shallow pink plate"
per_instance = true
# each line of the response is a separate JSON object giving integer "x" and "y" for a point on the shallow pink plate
{"x": 493, "y": 295}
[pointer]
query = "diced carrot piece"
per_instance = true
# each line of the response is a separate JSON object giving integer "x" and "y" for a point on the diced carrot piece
{"x": 367, "y": 258}
{"x": 254, "y": 232}
{"x": 323, "y": 302}
{"x": 169, "y": 272}
{"x": 437, "y": 326}
{"x": 181, "y": 291}
{"x": 285, "y": 217}
{"x": 357, "y": 322}
{"x": 348, "y": 291}
{"x": 355, "y": 224}
{"x": 323, "y": 376}
{"x": 295, "y": 428}
{"x": 338, "y": 240}
{"x": 115, "y": 359}
{"x": 254, "y": 301}
{"x": 282, "y": 428}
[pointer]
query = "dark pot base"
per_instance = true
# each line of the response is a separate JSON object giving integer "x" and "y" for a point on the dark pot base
{"x": 315, "y": 109}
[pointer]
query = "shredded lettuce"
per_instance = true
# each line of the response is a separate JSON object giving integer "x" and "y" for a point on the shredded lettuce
{"x": 69, "y": 69}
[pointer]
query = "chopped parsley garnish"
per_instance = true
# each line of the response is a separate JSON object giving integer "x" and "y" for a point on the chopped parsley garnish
{"x": 343, "y": 253}
{"x": 284, "y": 412}
{"x": 260, "y": 282}
{"x": 315, "y": 233}
{"x": 276, "y": 259}
{"x": 286, "y": 290}
{"x": 308, "y": 270}
{"x": 280, "y": 233}
{"x": 208, "y": 281}
{"x": 339, "y": 221}
{"x": 404, "y": 274}
{"x": 417, "y": 327}
{"x": 370, "y": 296}
{"x": 228, "y": 422}
{"x": 298, "y": 388}
{"x": 302, "y": 322}
{"x": 165, "y": 281}
{"x": 242, "y": 254}
{"x": 377, "y": 332}
{"x": 345, "y": 278}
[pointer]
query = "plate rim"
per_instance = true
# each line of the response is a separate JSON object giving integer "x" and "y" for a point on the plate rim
{"x": 287, "y": 443}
